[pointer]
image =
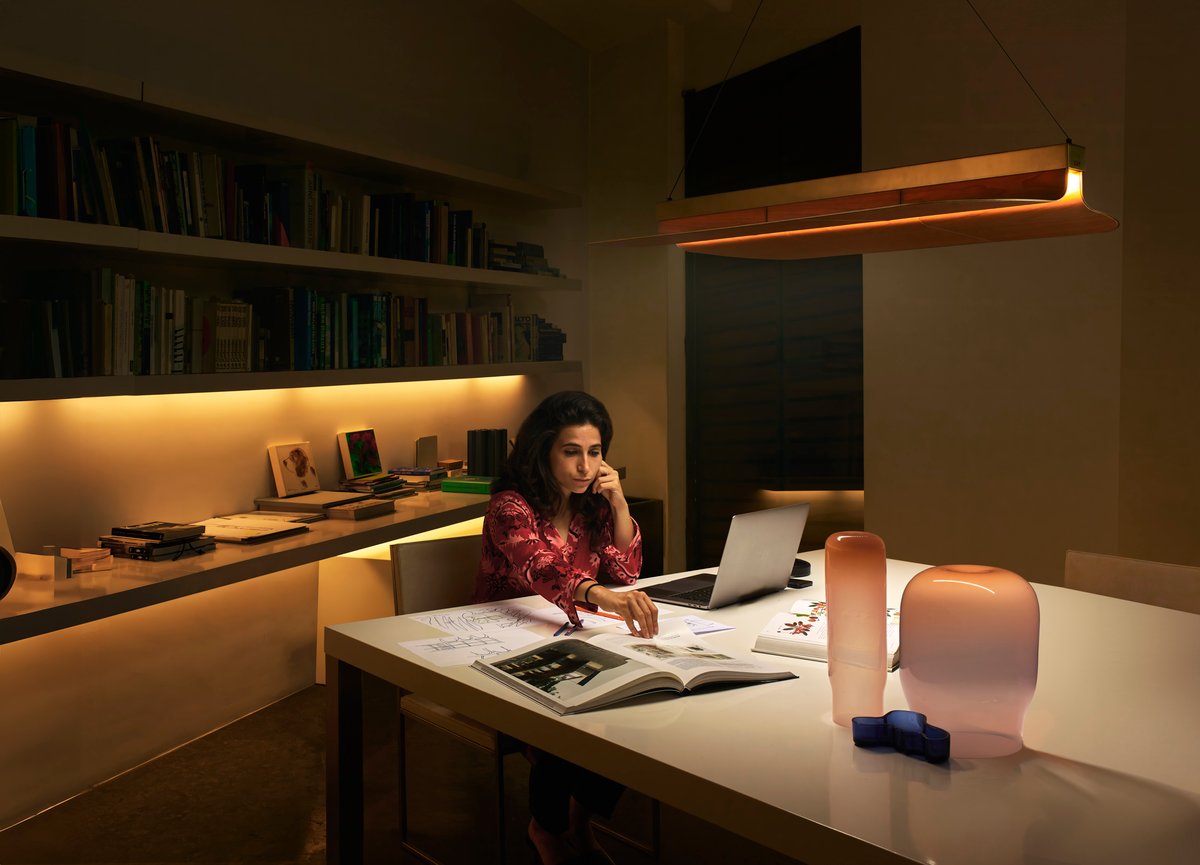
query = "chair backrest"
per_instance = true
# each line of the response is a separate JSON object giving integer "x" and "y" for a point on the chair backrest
{"x": 432, "y": 574}
{"x": 1163, "y": 585}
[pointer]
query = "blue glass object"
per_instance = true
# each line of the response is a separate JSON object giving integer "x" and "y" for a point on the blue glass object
{"x": 907, "y": 732}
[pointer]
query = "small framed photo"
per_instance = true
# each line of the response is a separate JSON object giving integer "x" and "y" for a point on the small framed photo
{"x": 294, "y": 468}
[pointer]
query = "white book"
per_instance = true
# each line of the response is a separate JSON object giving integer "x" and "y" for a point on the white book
{"x": 803, "y": 632}
{"x": 578, "y": 673}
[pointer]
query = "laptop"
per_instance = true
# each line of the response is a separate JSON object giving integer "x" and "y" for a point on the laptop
{"x": 759, "y": 554}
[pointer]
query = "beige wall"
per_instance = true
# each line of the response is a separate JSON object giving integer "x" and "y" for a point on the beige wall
{"x": 992, "y": 372}
{"x": 635, "y": 295}
{"x": 1160, "y": 311}
{"x": 1021, "y": 398}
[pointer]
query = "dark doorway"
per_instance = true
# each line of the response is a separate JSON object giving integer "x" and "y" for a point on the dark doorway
{"x": 774, "y": 348}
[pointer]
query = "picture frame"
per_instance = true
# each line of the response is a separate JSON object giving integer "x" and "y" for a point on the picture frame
{"x": 294, "y": 468}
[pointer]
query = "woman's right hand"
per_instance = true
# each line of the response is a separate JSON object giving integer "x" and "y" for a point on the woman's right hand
{"x": 636, "y": 608}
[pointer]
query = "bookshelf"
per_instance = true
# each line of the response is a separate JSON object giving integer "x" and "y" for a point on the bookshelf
{"x": 148, "y": 656}
{"x": 123, "y": 107}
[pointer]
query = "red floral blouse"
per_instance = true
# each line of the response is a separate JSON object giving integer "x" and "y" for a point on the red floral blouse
{"x": 523, "y": 554}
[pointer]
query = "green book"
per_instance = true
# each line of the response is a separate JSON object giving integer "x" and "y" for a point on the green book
{"x": 469, "y": 484}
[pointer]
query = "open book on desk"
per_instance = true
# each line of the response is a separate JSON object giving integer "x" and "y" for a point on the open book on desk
{"x": 804, "y": 633}
{"x": 576, "y": 674}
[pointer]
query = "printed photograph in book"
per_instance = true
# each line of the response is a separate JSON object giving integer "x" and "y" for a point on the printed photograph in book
{"x": 564, "y": 669}
{"x": 360, "y": 453}
{"x": 294, "y": 469}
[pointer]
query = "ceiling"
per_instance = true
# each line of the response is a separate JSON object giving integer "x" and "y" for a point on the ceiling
{"x": 598, "y": 25}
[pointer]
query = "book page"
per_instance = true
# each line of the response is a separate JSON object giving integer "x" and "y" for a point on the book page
{"x": 680, "y": 653}
{"x": 570, "y": 673}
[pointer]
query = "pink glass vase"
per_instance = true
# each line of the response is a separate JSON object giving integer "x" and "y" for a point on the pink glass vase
{"x": 856, "y": 593}
{"x": 969, "y": 655}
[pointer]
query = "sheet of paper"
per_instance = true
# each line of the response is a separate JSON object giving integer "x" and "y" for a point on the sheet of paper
{"x": 465, "y": 648}
{"x": 494, "y": 618}
{"x": 705, "y": 626}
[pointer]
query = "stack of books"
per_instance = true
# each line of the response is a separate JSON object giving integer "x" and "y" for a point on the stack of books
{"x": 84, "y": 559}
{"x": 378, "y": 485}
{"x": 157, "y": 541}
{"x": 421, "y": 477}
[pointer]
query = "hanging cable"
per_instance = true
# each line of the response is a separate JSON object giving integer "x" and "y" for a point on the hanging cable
{"x": 716, "y": 98}
{"x": 1019, "y": 72}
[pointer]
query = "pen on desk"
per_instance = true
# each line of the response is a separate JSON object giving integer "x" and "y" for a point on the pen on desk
{"x": 600, "y": 613}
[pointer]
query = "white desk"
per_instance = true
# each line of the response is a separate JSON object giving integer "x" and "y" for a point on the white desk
{"x": 1110, "y": 771}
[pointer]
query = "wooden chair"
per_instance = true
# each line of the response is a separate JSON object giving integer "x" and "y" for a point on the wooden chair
{"x": 431, "y": 575}
{"x": 1176, "y": 587}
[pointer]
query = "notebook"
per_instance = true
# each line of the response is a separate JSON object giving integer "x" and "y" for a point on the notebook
{"x": 759, "y": 553}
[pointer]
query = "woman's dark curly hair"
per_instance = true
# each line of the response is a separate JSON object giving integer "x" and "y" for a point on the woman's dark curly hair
{"x": 528, "y": 468}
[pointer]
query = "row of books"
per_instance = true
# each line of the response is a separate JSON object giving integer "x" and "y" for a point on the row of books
{"x": 520, "y": 257}
{"x": 106, "y": 323}
{"x": 58, "y": 169}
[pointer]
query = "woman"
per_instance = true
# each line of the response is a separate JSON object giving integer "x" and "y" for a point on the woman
{"x": 556, "y": 526}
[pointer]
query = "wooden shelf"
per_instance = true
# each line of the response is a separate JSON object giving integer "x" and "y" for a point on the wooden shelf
{"x": 153, "y": 244}
{"x": 21, "y": 390}
{"x": 36, "y": 607}
{"x": 35, "y": 86}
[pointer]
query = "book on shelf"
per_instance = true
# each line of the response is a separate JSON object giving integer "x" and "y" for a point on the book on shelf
{"x": 239, "y": 529}
{"x": 469, "y": 484}
{"x": 487, "y": 451}
{"x": 160, "y": 530}
{"x": 361, "y": 510}
{"x": 85, "y": 559}
{"x": 579, "y": 673}
{"x": 383, "y": 482}
{"x": 420, "y": 474}
{"x": 277, "y": 516}
{"x": 314, "y": 502}
{"x": 360, "y": 453}
{"x": 150, "y": 550}
{"x": 426, "y": 449}
{"x": 294, "y": 469}
{"x": 803, "y": 632}
{"x": 450, "y": 465}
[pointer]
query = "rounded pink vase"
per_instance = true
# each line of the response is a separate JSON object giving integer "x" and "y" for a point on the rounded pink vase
{"x": 856, "y": 595}
{"x": 969, "y": 654}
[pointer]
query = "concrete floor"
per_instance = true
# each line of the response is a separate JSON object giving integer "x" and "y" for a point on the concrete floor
{"x": 253, "y": 792}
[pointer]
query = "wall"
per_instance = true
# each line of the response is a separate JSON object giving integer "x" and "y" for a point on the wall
{"x": 999, "y": 425}
{"x": 992, "y": 371}
{"x": 1160, "y": 365}
{"x": 636, "y": 308}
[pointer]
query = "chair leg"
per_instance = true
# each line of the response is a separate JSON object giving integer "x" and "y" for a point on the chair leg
{"x": 501, "y": 822}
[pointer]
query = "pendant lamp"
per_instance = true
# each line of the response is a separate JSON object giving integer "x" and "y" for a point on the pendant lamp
{"x": 1014, "y": 195}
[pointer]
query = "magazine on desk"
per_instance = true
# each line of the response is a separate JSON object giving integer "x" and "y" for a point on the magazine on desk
{"x": 576, "y": 674}
{"x": 803, "y": 632}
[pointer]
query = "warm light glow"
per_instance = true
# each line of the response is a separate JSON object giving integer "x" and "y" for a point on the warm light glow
{"x": 1074, "y": 184}
{"x": 456, "y": 530}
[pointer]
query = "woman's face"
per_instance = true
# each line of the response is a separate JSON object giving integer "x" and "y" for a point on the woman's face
{"x": 575, "y": 458}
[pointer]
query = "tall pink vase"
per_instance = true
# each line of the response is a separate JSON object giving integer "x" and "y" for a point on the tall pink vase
{"x": 969, "y": 655}
{"x": 856, "y": 592}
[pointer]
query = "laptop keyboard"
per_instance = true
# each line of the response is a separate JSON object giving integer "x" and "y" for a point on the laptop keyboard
{"x": 696, "y": 595}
